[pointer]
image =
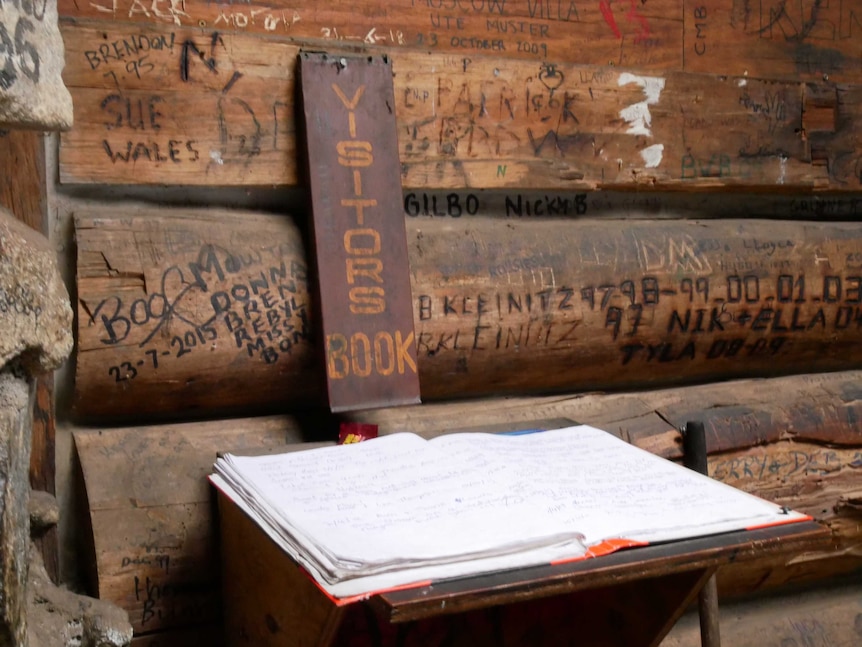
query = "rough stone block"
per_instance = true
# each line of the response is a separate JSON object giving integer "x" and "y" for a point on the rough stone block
{"x": 15, "y": 428}
{"x": 35, "y": 315}
{"x": 35, "y": 336}
{"x": 61, "y": 618}
{"x": 32, "y": 93}
{"x": 44, "y": 512}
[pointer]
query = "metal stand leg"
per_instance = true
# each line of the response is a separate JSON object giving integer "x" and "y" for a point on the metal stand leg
{"x": 694, "y": 457}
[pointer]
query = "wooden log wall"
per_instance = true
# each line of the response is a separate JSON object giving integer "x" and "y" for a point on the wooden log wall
{"x": 218, "y": 109}
{"x": 219, "y": 304}
{"x": 202, "y": 285}
{"x": 151, "y": 554}
{"x": 518, "y": 120}
{"x": 772, "y": 40}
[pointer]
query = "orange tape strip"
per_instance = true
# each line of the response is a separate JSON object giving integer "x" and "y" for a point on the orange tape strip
{"x": 604, "y": 548}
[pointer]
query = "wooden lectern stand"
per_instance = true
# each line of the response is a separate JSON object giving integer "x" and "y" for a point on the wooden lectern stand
{"x": 631, "y": 598}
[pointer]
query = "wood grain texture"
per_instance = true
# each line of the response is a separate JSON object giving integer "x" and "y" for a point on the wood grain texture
{"x": 22, "y": 187}
{"x": 218, "y": 109}
{"x": 43, "y": 465}
{"x": 153, "y": 519}
{"x": 219, "y": 305}
{"x": 768, "y": 38}
{"x": 268, "y": 601}
{"x": 210, "y": 288}
{"x": 151, "y": 513}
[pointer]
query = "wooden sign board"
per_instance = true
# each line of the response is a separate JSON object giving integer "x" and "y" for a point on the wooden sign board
{"x": 359, "y": 236}
{"x": 32, "y": 94}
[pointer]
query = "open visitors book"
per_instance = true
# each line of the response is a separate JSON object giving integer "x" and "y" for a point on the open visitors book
{"x": 401, "y": 510}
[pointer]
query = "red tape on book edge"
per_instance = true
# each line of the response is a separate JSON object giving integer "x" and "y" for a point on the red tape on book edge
{"x": 340, "y": 602}
{"x": 604, "y": 548}
{"x": 780, "y": 522}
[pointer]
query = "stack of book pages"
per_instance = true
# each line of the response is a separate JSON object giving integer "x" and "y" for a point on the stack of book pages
{"x": 401, "y": 510}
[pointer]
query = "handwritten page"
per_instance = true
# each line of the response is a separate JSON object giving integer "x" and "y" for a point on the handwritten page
{"x": 379, "y": 504}
{"x": 607, "y": 488}
{"x": 401, "y": 509}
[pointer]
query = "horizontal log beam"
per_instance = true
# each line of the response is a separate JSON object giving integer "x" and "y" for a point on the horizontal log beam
{"x": 154, "y": 552}
{"x": 175, "y": 106}
{"x": 775, "y": 40}
{"x": 218, "y": 303}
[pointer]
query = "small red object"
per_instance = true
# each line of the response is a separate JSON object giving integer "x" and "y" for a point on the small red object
{"x": 355, "y": 432}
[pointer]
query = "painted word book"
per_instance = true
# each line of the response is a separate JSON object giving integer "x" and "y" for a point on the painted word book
{"x": 401, "y": 510}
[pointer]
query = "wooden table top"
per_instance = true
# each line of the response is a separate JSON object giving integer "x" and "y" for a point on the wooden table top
{"x": 463, "y": 594}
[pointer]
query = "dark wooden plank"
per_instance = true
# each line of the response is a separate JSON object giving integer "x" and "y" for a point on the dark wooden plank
{"x": 360, "y": 244}
{"x": 728, "y": 427}
{"x": 22, "y": 187}
{"x": 268, "y": 601}
{"x": 622, "y": 566}
{"x": 635, "y": 613}
{"x": 43, "y": 465}
{"x": 832, "y": 419}
{"x": 647, "y": 36}
{"x": 630, "y": 614}
{"x": 774, "y": 38}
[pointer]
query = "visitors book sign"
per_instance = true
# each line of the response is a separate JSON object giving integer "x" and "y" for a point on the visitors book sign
{"x": 358, "y": 229}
